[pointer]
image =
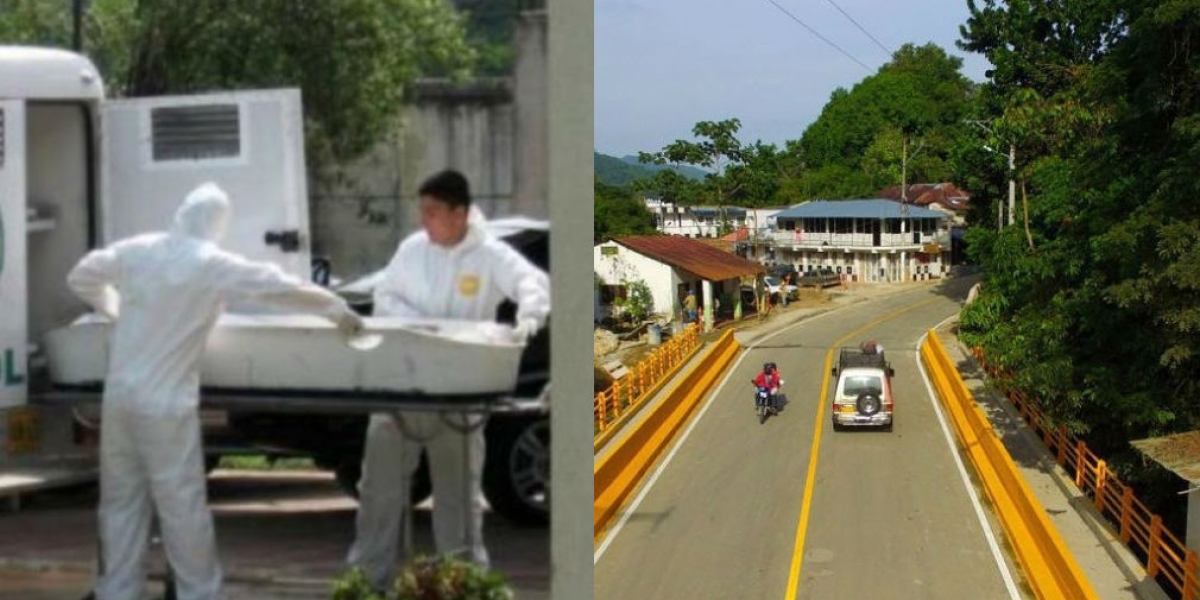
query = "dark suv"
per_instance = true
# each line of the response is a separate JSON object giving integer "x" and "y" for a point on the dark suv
{"x": 516, "y": 478}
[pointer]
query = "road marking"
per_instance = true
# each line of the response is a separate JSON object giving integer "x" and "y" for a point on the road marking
{"x": 628, "y": 511}
{"x": 962, "y": 472}
{"x": 810, "y": 479}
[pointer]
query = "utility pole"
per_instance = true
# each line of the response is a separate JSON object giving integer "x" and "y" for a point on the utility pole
{"x": 77, "y": 14}
{"x": 903, "y": 209}
{"x": 1012, "y": 172}
{"x": 1012, "y": 183}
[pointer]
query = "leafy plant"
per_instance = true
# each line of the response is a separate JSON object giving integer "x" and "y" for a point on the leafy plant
{"x": 638, "y": 303}
{"x": 448, "y": 578}
{"x": 429, "y": 578}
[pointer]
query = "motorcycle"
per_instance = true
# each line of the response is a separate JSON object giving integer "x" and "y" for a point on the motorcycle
{"x": 765, "y": 403}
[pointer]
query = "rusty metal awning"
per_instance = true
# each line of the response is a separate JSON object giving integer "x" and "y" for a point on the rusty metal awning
{"x": 1178, "y": 453}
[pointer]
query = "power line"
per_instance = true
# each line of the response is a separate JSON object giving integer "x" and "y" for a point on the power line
{"x": 823, "y": 38}
{"x": 860, "y": 27}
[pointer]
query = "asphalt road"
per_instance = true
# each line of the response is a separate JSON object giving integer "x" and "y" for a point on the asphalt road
{"x": 886, "y": 515}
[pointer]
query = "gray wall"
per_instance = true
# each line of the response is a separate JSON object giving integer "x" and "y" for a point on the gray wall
{"x": 493, "y": 130}
{"x": 532, "y": 110}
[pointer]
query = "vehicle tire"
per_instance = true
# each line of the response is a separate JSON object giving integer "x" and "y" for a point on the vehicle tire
{"x": 348, "y": 473}
{"x": 868, "y": 404}
{"x": 516, "y": 471}
{"x": 837, "y": 426}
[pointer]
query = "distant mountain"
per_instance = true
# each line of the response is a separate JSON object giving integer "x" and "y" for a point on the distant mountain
{"x": 686, "y": 171}
{"x": 622, "y": 171}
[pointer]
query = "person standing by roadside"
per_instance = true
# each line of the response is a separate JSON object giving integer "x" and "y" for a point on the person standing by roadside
{"x": 689, "y": 306}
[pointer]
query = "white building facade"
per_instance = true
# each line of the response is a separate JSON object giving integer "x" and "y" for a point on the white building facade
{"x": 867, "y": 240}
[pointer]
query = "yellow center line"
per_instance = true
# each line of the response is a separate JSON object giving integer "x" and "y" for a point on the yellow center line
{"x": 810, "y": 479}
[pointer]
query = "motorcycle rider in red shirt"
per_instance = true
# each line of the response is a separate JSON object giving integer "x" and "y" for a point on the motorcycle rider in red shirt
{"x": 769, "y": 378}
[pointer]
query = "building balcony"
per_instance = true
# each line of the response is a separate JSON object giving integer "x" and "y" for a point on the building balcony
{"x": 906, "y": 242}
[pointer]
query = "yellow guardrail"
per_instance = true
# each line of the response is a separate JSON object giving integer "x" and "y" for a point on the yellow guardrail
{"x": 1049, "y": 566}
{"x": 644, "y": 380}
{"x": 1166, "y": 556}
{"x": 617, "y": 474}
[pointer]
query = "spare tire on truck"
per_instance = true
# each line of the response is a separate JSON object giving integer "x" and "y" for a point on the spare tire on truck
{"x": 868, "y": 404}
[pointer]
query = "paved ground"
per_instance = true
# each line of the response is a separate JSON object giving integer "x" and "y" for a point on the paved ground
{"x": 887, "y": 515}
{"x": 280, "y": 536}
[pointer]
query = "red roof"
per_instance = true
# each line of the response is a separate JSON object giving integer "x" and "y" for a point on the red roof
{"x": 924, "y": 194}
{"x": 740, "y": 234}
{"x": 692, "y": 256}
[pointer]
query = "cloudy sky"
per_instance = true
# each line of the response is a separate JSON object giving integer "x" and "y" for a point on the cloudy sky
{"x": 663, "y": 65}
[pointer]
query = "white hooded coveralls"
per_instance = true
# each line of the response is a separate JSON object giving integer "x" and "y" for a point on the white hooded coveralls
{"x": 467, "y": 281}
{"x": 166, "y": 291}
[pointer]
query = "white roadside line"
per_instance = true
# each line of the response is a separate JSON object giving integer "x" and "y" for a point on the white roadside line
{"x": 1009, "y": 583}
{"x": 637, "y": 500}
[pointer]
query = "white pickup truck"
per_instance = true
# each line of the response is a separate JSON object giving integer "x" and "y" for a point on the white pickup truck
{"x": 863, "y": 394}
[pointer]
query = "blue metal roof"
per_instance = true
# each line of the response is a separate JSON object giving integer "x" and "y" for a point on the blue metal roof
{"x": 713, "y": 211}
{"x": 855, "y": 209}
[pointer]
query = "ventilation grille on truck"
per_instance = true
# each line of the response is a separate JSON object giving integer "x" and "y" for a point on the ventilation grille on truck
{"x": 196, "y": 132}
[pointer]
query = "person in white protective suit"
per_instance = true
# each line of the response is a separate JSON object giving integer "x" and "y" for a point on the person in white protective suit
{"x": 450, "y": 269}
{"x": 165, "y": 292}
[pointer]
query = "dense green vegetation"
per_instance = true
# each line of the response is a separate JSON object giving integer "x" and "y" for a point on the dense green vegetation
{"x": 618, "y": 211}
{"x": 352, "y": 59}
{"x": 1094, "y": 302}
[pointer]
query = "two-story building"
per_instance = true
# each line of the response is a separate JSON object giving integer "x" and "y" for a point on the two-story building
{"x": 695, "y": 221}
{"x": 867, "y": 240}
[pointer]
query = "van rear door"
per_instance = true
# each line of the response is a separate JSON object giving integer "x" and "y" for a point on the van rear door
{"x": 251, "y": 143}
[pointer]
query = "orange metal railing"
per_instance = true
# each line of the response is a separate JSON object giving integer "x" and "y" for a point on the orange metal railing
{"x": 1165, "y": 554}
{"x": 644, "y": 378}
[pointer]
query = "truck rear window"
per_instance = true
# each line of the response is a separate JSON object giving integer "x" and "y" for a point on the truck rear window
{"x": 859, "y": 384}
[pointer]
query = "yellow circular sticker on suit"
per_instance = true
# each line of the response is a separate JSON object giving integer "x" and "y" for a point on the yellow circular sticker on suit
{"x": 468, "y": 285}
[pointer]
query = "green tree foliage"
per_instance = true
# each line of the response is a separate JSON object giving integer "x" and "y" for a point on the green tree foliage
{"x": 1097, "y": 307}
{"x": 855, "y": 148}
{"x": 352, "y": 59}
{"x": 618, "y": 212}
{"x": 717, "y": 148}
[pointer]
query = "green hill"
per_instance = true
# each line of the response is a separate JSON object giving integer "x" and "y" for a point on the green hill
{"x": 622, "y": 171}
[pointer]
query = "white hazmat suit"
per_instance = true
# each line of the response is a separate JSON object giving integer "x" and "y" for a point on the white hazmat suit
{"x": 467, "y": 281}
{"x": 166, "y": 291}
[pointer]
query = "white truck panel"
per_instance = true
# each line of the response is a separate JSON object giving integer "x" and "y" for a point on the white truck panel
{"x": 14, "y": 307}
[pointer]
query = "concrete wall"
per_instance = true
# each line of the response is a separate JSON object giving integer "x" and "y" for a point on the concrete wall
{"x": 532, "y": 137}
{"x": 493, "y": 130}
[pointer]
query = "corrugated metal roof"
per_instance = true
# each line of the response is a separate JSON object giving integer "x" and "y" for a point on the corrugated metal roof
{"x": 715, "y": 211}
{"x": 1178, "y": 453}
{"x": 692, "y": 256}
{"x": 856, "y": 209}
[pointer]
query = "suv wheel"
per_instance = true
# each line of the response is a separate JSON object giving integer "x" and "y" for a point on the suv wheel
{"x": 516, "y": 473}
